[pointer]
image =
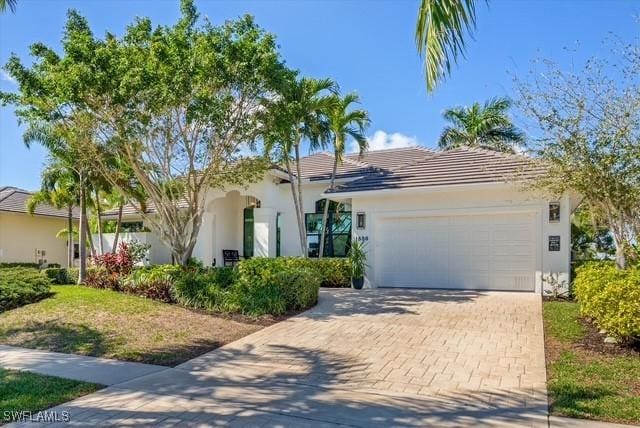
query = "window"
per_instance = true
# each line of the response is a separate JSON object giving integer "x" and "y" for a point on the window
{"x": 132, "y": 226}
{"x": 361, "y": 221}
{"x": 278, "y": 233}
{"x": 247, "y": 248}
{"x": 338, "y": 234}
{"x": 76, "y": 251}
{"x": 554, "y": 212}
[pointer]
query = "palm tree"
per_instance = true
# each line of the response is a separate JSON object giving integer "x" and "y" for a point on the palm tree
{"x": 297, "y": 115}
{"x": 59, "y": 189}
{"x": 11, "y": 4}
{"x": 343, "y": 123}
{"x": 440, "y": 35}
{"x": 486, "y": 126}
{"x": 67, "y": 151}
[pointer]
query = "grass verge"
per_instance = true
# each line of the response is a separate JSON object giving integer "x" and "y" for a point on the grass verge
{"x": 586, "y": 377}
{"x": 29, "y": 392}
{"x": 103, "y": 323}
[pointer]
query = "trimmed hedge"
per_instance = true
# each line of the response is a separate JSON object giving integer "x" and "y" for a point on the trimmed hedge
{"x": 10, "y": 265}
{"x": 20, "y": 286}
{"x": 611, "y": 297}
{"x": 254, "y": 286}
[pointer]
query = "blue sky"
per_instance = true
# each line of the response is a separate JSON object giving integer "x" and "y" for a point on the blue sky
{"x": 366, "y": 46}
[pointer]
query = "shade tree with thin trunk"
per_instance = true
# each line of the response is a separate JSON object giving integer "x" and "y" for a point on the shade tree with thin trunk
{"x": 588, "y": 122}
{"x": 179, "y": 105}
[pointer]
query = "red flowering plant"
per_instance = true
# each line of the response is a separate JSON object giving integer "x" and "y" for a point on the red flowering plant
{"x": 122, "y": 261}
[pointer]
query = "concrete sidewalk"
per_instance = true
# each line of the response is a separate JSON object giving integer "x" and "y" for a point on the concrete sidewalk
{"x": 102, "y": 371}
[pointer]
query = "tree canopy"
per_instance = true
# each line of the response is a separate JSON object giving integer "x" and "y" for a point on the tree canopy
{"x": 486, "y": 126}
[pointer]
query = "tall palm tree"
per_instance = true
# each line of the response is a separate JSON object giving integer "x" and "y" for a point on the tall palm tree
{"x": 486, "y": 126}
{"x": 66, "y": 148}
{"x": 440, "y": 35}
{"x": 59, "y": 189}
{"x": 343, "y": 123}
{"x": 298, "y": 114}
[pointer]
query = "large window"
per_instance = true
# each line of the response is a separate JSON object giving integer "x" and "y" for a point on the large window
{"x": 338, "y": 233}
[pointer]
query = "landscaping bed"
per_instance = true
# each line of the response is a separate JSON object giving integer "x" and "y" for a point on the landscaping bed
{"x": 105, "y": 323}
{"x": 588, "y": 378}
{"x": 29, "y": 392}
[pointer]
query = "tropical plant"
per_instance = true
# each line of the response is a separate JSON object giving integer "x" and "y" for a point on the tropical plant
{"x": 485, "y": 126}
{"x": 11, "y": 4}
{"x": 440, "y": 35}
{"x": 358, "y": 258}
{"x": 299, "y": 114}
{"x": 344, "y": 122}
{"x": 59, "y": 189}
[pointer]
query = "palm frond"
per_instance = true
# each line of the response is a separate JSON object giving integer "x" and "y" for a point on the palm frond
{"x": 440, "y": 35}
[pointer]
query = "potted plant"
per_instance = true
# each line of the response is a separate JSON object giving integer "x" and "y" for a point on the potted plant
{"x": 358, "y": 259}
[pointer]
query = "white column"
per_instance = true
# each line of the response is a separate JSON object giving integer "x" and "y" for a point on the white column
{"x": 264, "y": 232}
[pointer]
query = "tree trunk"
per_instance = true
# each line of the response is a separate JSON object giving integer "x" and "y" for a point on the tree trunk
{"x": 99, "y": 216}
{"x": 82, "y": 235}
{"x": 118, "y": 223}
{"x": 301, "y": 222}
{"x": 296, "y": 205}
{"x": 325, "y": 213}
{"x": 90, "y": 238}
{"x": 621, "y": 258}
{"x": 70, "y": 251}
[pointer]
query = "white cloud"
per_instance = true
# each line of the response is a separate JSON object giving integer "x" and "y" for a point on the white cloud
{"x": 381, "y": 140}
{"x": 5, "y": 77}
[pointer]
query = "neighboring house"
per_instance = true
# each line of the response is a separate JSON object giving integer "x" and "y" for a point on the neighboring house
{"x": 30, "y": 238}
{"x": 450, "y": 219}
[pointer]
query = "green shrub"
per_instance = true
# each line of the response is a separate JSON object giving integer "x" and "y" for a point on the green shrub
{"x": 10, "y": 265}
{"x": 72, "y": 275}
{"x": 57, "y": 275}
{"x": 20, "y": 286}
{"x": 611, "y": 297}
{"x": 334, "y": 272}
{"x": 275, "y": 286}
{"x": 155, "y": 282}
{"x": 205, "y": 289}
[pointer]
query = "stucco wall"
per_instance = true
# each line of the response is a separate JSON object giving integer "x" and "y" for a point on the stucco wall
{"x": 22, "y": 234}
{"x": 158, "y": 253}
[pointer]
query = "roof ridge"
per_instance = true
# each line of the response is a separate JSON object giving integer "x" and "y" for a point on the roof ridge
{"x": 494, "y": 152}
{"x": 9, "y": 192}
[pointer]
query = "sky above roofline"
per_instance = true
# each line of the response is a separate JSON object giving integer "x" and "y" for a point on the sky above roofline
{"x": 366, "y": 46}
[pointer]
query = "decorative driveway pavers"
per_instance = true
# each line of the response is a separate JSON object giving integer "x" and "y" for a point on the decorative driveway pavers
{"x": 360, "y": 358}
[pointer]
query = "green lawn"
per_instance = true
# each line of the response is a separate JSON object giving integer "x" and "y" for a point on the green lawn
{"x": 23, "y": 391}
{"x": 584, "y": 382}
{"x": 87, "y": 321}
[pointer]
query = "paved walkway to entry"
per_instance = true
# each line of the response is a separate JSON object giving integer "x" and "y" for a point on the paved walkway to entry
{"x": 360, "y": 358}
{"x": 89, "y": 369}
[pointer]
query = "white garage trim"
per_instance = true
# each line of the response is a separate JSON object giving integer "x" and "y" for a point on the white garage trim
{"x": 493, "y": 249}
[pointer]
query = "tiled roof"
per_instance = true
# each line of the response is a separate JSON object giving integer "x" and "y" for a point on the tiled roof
{"x": 391, "y": 159}
{"x": 450, "y": 167}
{"x": 319, "y": 166}
{"x": 13, "y": 199}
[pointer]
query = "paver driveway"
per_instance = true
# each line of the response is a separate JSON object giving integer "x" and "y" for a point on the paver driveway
{"x": 360, "y": 358}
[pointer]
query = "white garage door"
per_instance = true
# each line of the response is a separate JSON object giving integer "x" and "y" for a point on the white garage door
{"x": 490, "y": 252}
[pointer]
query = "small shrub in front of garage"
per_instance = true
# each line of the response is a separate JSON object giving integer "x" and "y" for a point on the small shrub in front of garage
{"x": 57, "y": 275}
{"x": 611, "y": 297}
{"x": 274, "y": 288}
{"x": 334, "y": 272}
{"x": 21, "y": 286}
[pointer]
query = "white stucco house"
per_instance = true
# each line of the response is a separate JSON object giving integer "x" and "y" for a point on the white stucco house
{"x": 430, "y": 219}
{"x": 26, "y": 238}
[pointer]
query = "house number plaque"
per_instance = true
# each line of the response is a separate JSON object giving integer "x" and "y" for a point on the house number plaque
{"x": 554, "y": 243}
